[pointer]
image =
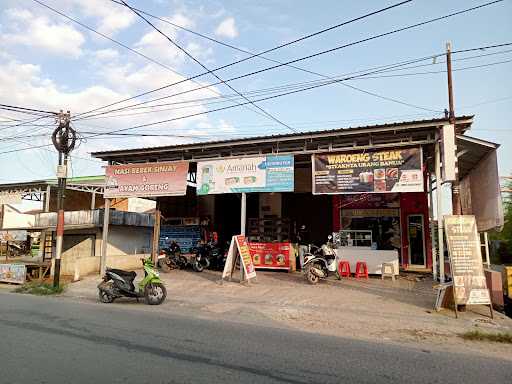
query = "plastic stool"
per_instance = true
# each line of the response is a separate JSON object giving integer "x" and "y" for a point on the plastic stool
{"x": 361, "y": 270}
{"x": 387, "y": 270}
{"x": 344, "y": 268}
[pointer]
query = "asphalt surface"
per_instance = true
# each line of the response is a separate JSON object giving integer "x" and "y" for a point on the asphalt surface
{"x": 55, "y": 340}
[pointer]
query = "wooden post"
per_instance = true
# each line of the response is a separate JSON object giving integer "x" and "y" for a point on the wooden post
{"x": 104, "y": 241}
{"x": 156, "y": 234}
{"x": 431, "y": 221}
{"x": 439, "y": 199}
{"x": 93, "y": 200}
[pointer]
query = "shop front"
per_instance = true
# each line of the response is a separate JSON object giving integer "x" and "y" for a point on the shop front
{"x": 368, "y": 187}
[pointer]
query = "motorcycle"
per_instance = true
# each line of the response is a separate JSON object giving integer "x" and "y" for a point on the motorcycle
{"x": 201, "y": 259}
{"x": 118, "y": 283}
{"x": 171, "y": 257}
{"x": 320, "y": 262}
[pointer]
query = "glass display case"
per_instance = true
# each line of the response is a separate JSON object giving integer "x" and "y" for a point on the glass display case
{"x": 353, "y": 238}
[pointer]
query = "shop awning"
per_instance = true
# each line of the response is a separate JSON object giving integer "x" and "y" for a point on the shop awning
{"x": 480, "y": 190}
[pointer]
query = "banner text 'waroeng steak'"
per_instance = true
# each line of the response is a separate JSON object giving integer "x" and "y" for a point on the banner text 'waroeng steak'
{"x": 370, "y": 171}
{"x": 148, "y": 179}
{"x": 250, "y": 174}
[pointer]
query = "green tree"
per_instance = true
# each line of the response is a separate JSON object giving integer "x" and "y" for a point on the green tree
{"x": 504, "y": 251}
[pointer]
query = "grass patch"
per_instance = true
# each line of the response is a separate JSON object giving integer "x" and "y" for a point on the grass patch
{"x": 40, "y": 289}
{"x": 501, "y": 337}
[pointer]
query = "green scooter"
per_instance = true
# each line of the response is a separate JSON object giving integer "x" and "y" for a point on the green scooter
{"x": 118, "y": 283}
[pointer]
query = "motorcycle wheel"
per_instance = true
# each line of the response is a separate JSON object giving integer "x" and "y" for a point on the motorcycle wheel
{"x": 310, "y": 276}
{"x": 155, "y": 293}
{"x": 205, "y": 262}
{"x": 105, "y": 297}
{"x": 163, "y": 266}
{"x": 198, "y": 267}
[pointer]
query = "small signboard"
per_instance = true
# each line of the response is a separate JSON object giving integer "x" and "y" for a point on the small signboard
{"x": 146, "y": 180}
{"x": 271, "y": 255}
{"x": 469, "y": 283}
{"x": 13, "y": 273}
{"x": 369, "y": 171}
{"x": 239, "y": 251}
{"x": 251, "y": 174}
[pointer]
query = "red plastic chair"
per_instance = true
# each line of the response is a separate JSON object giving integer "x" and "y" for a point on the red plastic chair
{"x": 361, "y": 270}
{"x": 344, "y": 268}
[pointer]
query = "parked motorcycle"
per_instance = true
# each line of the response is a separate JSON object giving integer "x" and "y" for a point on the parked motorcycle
{"x": 118, "y": 283}
{"x": 170, "y": 257}
{"x": 201, "y": 259}
{"x": 320, "y": 262}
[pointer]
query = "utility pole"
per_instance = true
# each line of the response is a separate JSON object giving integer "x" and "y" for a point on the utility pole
{"x": 64, "y": 140}
{"x": 456, "y": 207}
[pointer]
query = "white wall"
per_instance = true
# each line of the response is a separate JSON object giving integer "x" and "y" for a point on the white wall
{"x": 14, "y": 219}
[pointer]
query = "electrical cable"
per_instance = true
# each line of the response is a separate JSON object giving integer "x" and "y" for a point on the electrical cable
{"x": 256, "y": 55}
{"x": 206, "y": 68}
{"x": 373, "y": 37}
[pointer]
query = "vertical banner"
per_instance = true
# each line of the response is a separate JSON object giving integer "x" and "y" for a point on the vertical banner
{"x": 469, "y": 282}
{"x": 239, "y": 249}
{"x": 245, "y": 257}
{"x": 369, "y": 171}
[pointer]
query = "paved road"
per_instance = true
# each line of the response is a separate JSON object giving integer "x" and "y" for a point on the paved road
{"x": 51, "y": 340}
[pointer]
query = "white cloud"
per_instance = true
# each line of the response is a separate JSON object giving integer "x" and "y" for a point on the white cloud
{"x": 107, "y": 54}
{"x": 111, "y": 17}
{"x": 227, "y": 28}
{"x": 24, "y": 28}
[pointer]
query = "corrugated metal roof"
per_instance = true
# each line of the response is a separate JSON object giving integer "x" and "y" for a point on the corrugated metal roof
{"x": 465, "y": 121}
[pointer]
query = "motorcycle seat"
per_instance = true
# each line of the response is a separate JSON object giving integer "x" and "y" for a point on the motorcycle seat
{"x": 128, "y": 275}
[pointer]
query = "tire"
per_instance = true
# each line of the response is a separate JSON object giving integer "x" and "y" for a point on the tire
{"x": 163, "y": 265}
{"x": 198, "y": 267}
{"x": 337, "y": 273}
{"x": 155, "y": 293}
{"x": 105, "y": 297}
{"x": 310, "y": 276}
{"x": 205, "y": 263}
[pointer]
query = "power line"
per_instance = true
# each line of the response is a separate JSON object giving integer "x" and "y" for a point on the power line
{"x": 373, "y": 37}
{"x": 269, "y": 59}
{"x": 117, "y": 42}
{"x": 206, "y": 68}
{"x": 256, "y": 55}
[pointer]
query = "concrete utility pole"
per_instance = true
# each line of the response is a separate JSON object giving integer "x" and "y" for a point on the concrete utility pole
{"x": 64, "y": 140}
{"x": 456, "y": 207}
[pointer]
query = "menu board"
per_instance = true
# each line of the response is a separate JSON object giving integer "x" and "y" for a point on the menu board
{"x": 371, "y": 171}
{"x": 270, "y": 255}
{"x": 245, "y": 256}
{"x": 469, "y": 282}
{"x": 250, "y": 174}
{"x": 13, "y": 273}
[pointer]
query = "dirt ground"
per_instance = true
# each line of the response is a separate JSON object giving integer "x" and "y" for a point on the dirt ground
{"x": 396, "y": 312}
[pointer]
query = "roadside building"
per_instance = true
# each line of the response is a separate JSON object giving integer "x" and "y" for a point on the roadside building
{"x": 374, "y": 187}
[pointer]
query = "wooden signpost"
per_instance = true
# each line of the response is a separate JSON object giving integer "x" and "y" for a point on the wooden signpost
{"x": 239, "y": 252}
{"x": 469, "y": 284}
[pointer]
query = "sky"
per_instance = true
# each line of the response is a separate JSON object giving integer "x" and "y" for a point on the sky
{"x": 50, "y": 63}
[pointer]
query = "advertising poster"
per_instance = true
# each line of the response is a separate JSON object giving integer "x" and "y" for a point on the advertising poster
{"x": 245, "y": 257}
{"x": 254, "y": 174}
{"x": 13, "y": 273}
{"x": 271, "y": 255}
{"x": 146, "y": 180}
{"x": 469, "y": 282}
{"x": 371, "y": 171}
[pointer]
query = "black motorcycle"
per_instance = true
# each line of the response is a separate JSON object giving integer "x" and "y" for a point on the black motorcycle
{"x": 201, "y": 258}
{"x": 171, "y": 257}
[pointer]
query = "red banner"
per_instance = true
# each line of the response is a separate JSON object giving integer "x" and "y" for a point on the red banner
{"x": 271, "y": 255}
{"x": 149, "y": 179}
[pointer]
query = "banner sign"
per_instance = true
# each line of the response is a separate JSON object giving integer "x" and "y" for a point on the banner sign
{"x": 146, "y": 180}
{"x": 7, "y": 197}
{"x": 245, "y": 257}
{"x": 469, "y": 282}
{"x": 271, "y": 255}
{"x": 13, "y": 273}
{"x": 254, "y": 174}
{"x": 390, "y": 170}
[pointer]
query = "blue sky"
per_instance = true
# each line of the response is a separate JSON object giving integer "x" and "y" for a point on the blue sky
{"x": 50, "y": 63}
